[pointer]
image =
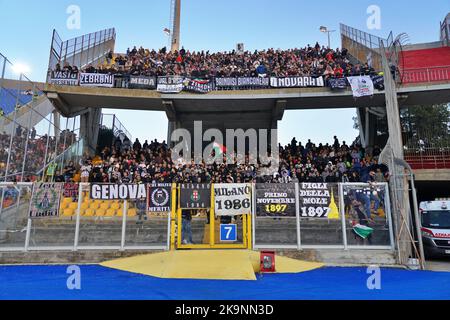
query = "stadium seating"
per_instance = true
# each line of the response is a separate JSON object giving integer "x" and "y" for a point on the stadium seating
{"x": 94, "y": 208}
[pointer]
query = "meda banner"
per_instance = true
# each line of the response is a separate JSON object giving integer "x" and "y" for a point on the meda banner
{"x": 361, "y": 86}
{"x": 141, "y": 82}
{"x": 232, "y": 199}
{"x": 296, "y": 82}
{"x": 45, "y": 200}
{"x": 195, "y": 196}
{"x": 240, "y": 82}
{"x": 159, "y": 197}
{"x": 340, "y": 83}
{"x": 64, "y": 78}
{"x": 275, "y": 200}
{"x": 318, "y": 200}
{"x": 171, "y": 84}
{"x": 96, "y": 80}
{"x": 198, "y": 86}
{"x": 117, "y": 191}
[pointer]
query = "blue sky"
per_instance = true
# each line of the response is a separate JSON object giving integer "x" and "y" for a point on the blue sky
{"x": 26, "y": 27}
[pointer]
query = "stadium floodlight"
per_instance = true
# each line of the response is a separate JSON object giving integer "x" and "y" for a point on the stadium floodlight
{"x": 325, "y": 30}
{"x": 20, "y": 68}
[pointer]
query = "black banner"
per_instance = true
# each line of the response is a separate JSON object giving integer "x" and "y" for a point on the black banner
{"x": 117, "y": 191}
{"x": 378, "y": 82}
{"x": 275, "y": 200}
{"x": 195, "y": 196}
{"x": 315, "y": 200}
{"x": 198, "y": 86}
{"x": 159, "y": 197}
{"x": 240, "y": 82}
{"x": 96, "y": 80}
{"x": 340, "y": 83}
{"x": 141, "y": 82}
{"x": 296, "y": 82}
{"x": 64, "y": 78}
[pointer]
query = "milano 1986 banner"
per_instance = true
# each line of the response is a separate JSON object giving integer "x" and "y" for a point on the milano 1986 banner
{"x": 232, "y": 199}
{"x": 45, "y": 200}
{"x": 275, "y": 200}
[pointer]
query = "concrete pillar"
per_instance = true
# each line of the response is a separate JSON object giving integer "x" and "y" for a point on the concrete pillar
{"x": 89, "y": 127}
{"x": 57, "y": 124}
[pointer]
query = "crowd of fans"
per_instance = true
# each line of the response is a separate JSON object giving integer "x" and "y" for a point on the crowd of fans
{"x": 152, "y": 162}
{"x": 308, "y": 61}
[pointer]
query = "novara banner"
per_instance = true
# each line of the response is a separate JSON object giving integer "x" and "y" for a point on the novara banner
{"x": 96, "y": 80}
{"x": 118, "y": 191}
{"x": 141, "y": 82}
{"x": 171, "y": 84}
{"x": 361, "y": 86}
{"x": 45, "y": 200}
{"x": 317, "y": 201}
{"x": 275, "y": 200}
{"x": 64, "y": 78}
{"x": 232, "y": 199}
{"x": 296, "y": 82}
{"x": 159, "y": 197}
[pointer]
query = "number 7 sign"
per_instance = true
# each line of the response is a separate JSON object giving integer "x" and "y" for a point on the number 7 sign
{"x": 228, "y": 232}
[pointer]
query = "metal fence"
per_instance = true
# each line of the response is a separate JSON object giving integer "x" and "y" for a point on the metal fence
{"x": 111, "y": 121}
{"x": 426, "y": 75}
{"x": 32, "y": 134}
{"x": 362, "y": 220}
{"x": 359, "y": 206}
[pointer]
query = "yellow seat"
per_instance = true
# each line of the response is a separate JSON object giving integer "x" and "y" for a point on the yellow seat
{"x": 115, "y": 205}
{"x": 84, "y": 206}
{"x": 104, "y": 205}
{"x": 73, "y": 205}
{"x": 89, "y": 212}
{"x": 100, "y": 212}
{"x": 62, "y": 206}
{"x": 94, "y": 205}
{"x": 110, "y": 212}
{"x": 68, "y": 212}
{"x": 67, "y": 200}
{"x": 119, "y": 212}
{"x": 132, "y": 212}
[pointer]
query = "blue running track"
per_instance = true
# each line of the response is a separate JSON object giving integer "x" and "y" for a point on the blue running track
{"x": 49, "y": 282}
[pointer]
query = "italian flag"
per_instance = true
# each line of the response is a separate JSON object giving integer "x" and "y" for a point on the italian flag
{"x": 362, "y": 231}
{"x": 219, "y": 149}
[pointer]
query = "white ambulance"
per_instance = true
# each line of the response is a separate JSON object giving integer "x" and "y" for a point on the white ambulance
{"x": 435, "y": 226}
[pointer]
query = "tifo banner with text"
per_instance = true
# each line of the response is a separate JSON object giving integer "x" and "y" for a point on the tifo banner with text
{"x": 64, "y": 78}
{"x": 45, "y": 200}
{"x": 159, "y": 197}
{"x": 171, "y": 84}
{"x": 361, "y": 86}
{"x": 141, "y": 82}
{"x": 275, "y": 200}
{"x": 71, "y": 191}
{"x": 233, "y": 199}
{"x": 195, "y": 196}
{"x": 117, "y": 191}
{"x": 296, "y": 82}
{"x": 96, "y": 80}
{"x": 318, "y": 200}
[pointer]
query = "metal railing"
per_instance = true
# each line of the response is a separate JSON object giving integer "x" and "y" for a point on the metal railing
{"x": 111, "y": 121}
{"x": 426, "y": 75}
{"x": 366, "y": 39}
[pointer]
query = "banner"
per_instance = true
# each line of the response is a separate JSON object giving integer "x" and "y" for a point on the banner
{"x": 45, "y": 200}
{"x": 195, "y": 196}
{"x": 233, "y": 199}
{"x": 117, "y": 191}
{"x": 141, "y": 82}
{"x": 171, "y": 84}
{"x": 275, "y": 200}
{"x": 317, "y": 200}
{"x": 10, "y": 196}
{"x": 96, "y": 80}
{"x": 361, "y": 86}
{"x": 64, "y": 78}
{"x": 198, "y": 86}
{"x": 378, "y": 82}
{"x": 296, "y": 82}
{"x": 71, "y": 191}
{"x": 340, "y": 83}
{"x": 159, "y": 197}
{"x": 239, "y": 82}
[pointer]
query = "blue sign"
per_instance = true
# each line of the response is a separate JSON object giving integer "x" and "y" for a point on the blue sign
{"x": 228, "y": 232}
